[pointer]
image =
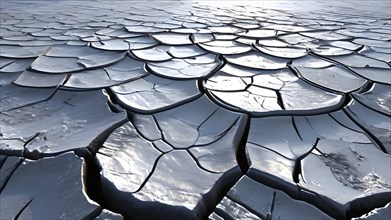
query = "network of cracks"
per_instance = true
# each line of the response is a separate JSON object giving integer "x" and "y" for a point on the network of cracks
{"x": 189, "y": 110}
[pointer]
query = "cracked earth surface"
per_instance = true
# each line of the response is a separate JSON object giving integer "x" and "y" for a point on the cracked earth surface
{"x": 195, "y": 110}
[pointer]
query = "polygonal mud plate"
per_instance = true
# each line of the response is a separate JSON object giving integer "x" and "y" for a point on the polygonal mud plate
{"x": 56, "y": 64}
{"x": 249, "y": 199}
{"x": 136, "y": 43}
{"x": 62, "y": 123}
{"x": 273, "y": 42}
{"x": 375, "y": 122}
{"x": 287, "y": 27}
{"x": 13, "y": 96}
{"x": 67, "y": 58}
{"x": 226, "y": 30}
{"x": 271, "y": 92}
{"x": 330, "y": 51}
{"x": 227, "y": 82}
{"x": 122, "y": 71}
{"x": 326, "y": 35}
{"x": 153, "y": 93}
{"x": 357, "y": 173}
{"x": 90, "y": 80}
{"x": 22, "y": 52}
{"x": 18, "y": 65}
{"x": 225, "y": 47}
{"x": 386, "y": 57}
{"x": 259, "y": 33}
{"x": 273, "y": 156}
{"x": 112, "y": 44}
{"x": 51, "y": 188}
{"x": 357, "y": 60}
{"x": 278, "y": 149}
{"x": 199, "y": 138}
{"x": 155, "y": 54}
{"x": 257, "y": 60}
{"x": 381, "y": 75}
{"x": 294, "y": 39}
{"x": 376, "y": 98}
{"x": 172, "y": 38}
{"x": 311, "y": 62}
{"x": 286, "y": 52}
{"x": 345, "y": 44}
{"x": 333, "y": 78}
{"x": 201, "y": 37}
{"x": 36, "y": 79}
{"x": 186, "y": 68}
{"x": 187, "y": 51}
{"x": 182, "y": 171}
{"x": 126, "y": 69}
{"x": 143, "y": 29}
{"x": 372, "y": 43}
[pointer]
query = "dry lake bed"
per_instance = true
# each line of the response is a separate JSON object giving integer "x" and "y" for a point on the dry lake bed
{"x": 195, "y": 110}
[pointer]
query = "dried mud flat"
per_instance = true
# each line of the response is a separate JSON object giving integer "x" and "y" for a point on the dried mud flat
{"x": 195, "y": 110}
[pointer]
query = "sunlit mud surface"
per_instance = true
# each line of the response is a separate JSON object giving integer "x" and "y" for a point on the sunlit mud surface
{"x": 195, "y": 110}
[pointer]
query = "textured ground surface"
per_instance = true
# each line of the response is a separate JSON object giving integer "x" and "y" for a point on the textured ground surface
{"x": 195, "y": 110}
